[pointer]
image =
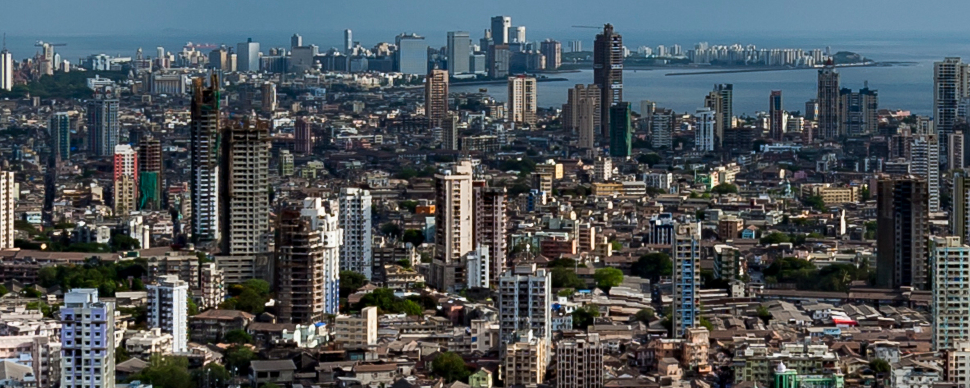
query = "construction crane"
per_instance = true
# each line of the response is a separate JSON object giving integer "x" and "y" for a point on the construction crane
{"x": 595, "y": 28}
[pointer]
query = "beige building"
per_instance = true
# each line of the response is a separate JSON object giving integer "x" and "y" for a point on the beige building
{"x": 957, "y": 367}
{"x": 831, "y": 195}
{"x": 145, "y": 343}
{"x": 579, "y": 361}
{"x": 453, "y": 200}
{"x": 354, "y": 331}
{"x": 8, "y": 191}
{"x": 581, "y": 114}
{"x": 522, "y": 100}
{"x": 125, "y": 179}
{"x": 729, "y": 227}
{"x": 551, "y": 167}
{"x": 524, "y": 361}
{"x": 696, "y": 348}
{"x": 436, "y": 97}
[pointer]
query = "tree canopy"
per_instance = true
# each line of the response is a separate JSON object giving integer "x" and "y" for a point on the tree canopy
{"x": 450, "y": 366}
{"x": 653, "y": 266}
{"x": 350, "y": 282}
{"x": 584, "y": 316}
{"x": 566, "y": 278}
{"x": 725, "y": 188}
{"x": 607, "y": 278}
{"x": 387, "y": 303}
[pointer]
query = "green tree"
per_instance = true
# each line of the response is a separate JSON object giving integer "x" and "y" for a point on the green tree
{"x": 166, "y": 372}
{"x": 350, "y": 282}
{"x": 775, "y": 238}
{"x": 391, "y": 229}
{"x": 650, "y": 159}
{"x": 31, "y": 292}
{"x": 409, "y": 205}
{"x": 260, "y": 286}
{"x": 250, "y": 302}
{"x": 404, "y": 263}
{"x": 192, "y": 307}
{"x": 450, "y": 366}
{"x": 566, "y": 278}
{"x": 617, "y": 246}
{"x": 413, "y": 236}
{"x": 764, "y": 314}
{"x": 607, "y": 278}
{"x": 239, "y": 337}
{"x": 387, "y": 303}
{"x": 707, "y": 324}
{"x": 725, "y": 188}
{"x": 212, "y": 375}
{"x": 815, "y": 202}
{"x": 653, "y": 266}
{"x": 645, "y": 316}
{"x": 123, "y": 242}
{"x": 879, "y": 365}
{"x": 121, "y": 354}
{"x": 238, "y": 357}
{"x": 584, "y": 316}
{"x": 3, "y": 290}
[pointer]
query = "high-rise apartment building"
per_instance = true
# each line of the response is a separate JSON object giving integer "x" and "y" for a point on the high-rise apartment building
{"x": 490, "y": 223}
{"x": 348, "y": 41}
{"x": 102, "y": 126}
{"x": 8, "y": 190}
{"x": 247, "y": 56}
{"x": 608, "y": 72}
{"x": 524, "y": 360}
{"x": 411, "y": 56}
{"x": 303, "y": 137}
{"x": 244, "y": 188}
{"x": 960, "y": 211}
{"x": 662, "y": 123}
{"x": 168, "y": 309}
{"x": 579, "y": 360}
{"x": 296, "y": 41}
{"x": 524, "y": 302}
{"x": 776, "y": 115}
{"x": 686, "y": 277}
{"x": 951, "y": 83}
{"x": 459, "y": 50}
{"x": 925, "y": 163}
{"x": 955, "y": 153}
{"x": 499, "y": 59}
{"x": 828, "y": 103}
{"x": 517, "y": 35}
{"x": 581, "y": 114}
{"x": 858, "y": 111}
{"x": 60, "y": 131}
{"x": 522, "y": 100}
{"x": 436, "y": 97}
{"x": 125, "y": 179}
{"x": 87, "y": 340}
{"x": 307, "y": 252}
{"x": 950, "y": 263}
{"x": 449, "y": 132}
{"x": 552, "y": 50}
{"x": 704, "y": 129}
{"x": 204, "y": 132}
{"x": 500, "y": 29}
{"x": 903, "y": 228}
{"x": 356, "y": 252}
{"x": 621, "y": 132}
{"x": 150, "y": 175}
{"x": 721, "y": 101}
{"x": 453, "y": 225}
{"x": 269, "y": 97}
{"x": 6, "y": 70}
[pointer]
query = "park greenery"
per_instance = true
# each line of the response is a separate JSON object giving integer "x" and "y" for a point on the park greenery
{"x": 250, "y": 296}
{"x": 63, "y": 85}
{"x": 653, "y": 266}
{"x": 107, "y": 277}
{"x": 450, "y": 367}
{"x": 387, "y": 303}
{"x": 806, "y": 276}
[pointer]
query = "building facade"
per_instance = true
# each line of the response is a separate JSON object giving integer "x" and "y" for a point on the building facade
{"x": 204, "y": 159}
{"x": 356, "y": 251}
{"x": 436, "y": 97}
{"x": 168, "y": 309}
{"x": 102, "y": 119}
{"x": 522, "y": 100}
{"x": 686, "y": 277}
{"x": 244, "y": 188}
{"x": 87, "y": 340}
{"x": 608, "y": 72}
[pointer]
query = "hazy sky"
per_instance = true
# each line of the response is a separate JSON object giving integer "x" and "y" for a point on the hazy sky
{"x": 90, "y": 17}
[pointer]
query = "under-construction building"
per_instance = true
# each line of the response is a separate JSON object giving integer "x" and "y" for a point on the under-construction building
{"x": 244, "y": 188}
{"x": 204, "y": 160}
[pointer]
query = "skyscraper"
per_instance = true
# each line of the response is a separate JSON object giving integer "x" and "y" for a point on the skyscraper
{"x": 459, "y": 49}
{"x": 490, "y": 223}
{"x": 449, "y": 132}
{"x": 6, "y": 69}
{"x": 60, "y": 131}
{"x": 903, "y": 227}
{"x": 621, "y": 133}
{"x": 8, "y": 189}
{"x": 411, "y": 56}
{"x": 87, "y": 340}
{"x": 436, "y": 97}
{"x": 348, "y": 41}
{"x": 951, "y": 83}
{"x": 955, "y": 153}
{"x": 307, "y": 246}
{"x": 168, "y": 309}
{"x": 925, "y": 163}
{"x": 454, "y": 225}
{"x": 517, "y": 35}
{"x": 608, "y": 72}
{"x": 524, "y": 302}
{"x": 704, "y": 122}
{"x": 244, "y": 187}
{"x": 125, "y": 179}
{"x": 150, "y": 175}
{"x": 552, "y": 50}
{"x": 828, "y": 103}
{"x": 269, "y": 97}
{"x": 776, "y": 115}
{"x": 499, "y": 58}
{"x": 858, "y": 111}
{"x": 522, "y": 100}
{"x": 102, "y": 126}
{"x": 500, "y": 29}
{"x": 296, "y": 41}
{"x": 204, "y": 160}
{"x": 950, "y": 261}
{"x": 721, "y": 101}
{"x": 687, "y": 277}
{"x": 581, "y": 114}
{"x": 247, "y": 55}
{"x": 356, "y": 253}
{"x": 304, "y": 137}
{"x": 960, "y": 212}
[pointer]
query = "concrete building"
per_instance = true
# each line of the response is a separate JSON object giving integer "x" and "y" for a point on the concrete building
{"x": 150, "y": 174}
{"x": 125, "y": 179}
{"x": 306, "y": 251}
{"x": 8, "y": 192}
{"x": 858, "y": 111}
{"x": 500, "y": 30}
{"x": 608, "y": 72}
{"x": 955, "y": 154}
{"x": 925, "y": 163}
{"x": 459, "y": 50}
{"x": 247, "y": 56}
{"x": 499, "y": 59}
{"x": 950, "y": 85}
{"x": 436, "y": 97}
{"x": 411, "y": 56}
{"x": 828, "y": 103}
{"x": 686, "y": 277}
{"x": 212, "y": 286}
{"x": 243, "y": 183}
{"x": 478, "y": 268}
{"x": 269, "y": 97}
{"x": 662, "y": 123}
{"x": 524, "y": 360}
{"x": 721, "y": 101}
{"x": 581, "y": 114}
{"x": 449, "y": 133}
{"x": 60, "y": 131}
{"x": 830, "y": 195}
{"x": 325, "y": 219}
{"x": 602, "y": 169}
{"x": 957, "y": 364}
{"x": 102, "y": 120}
{"x": 522, "y": 100}
{"x": 348, "y": 41}
{"x": 356, "y": 251}
{"x": 168, "y": 309}
{"x": 204, "y": 176}
{"x": 552, "y": 50}
{"x": 357, "y": 331}
{"x": 453, "y": 200}
{"x": 579, "y": 361}
{"x": 776, "y": 115}
{"x": 303, "y": 143}
{"x": 704, "y": 130}
{"x": 949, "y": 259}
{"x": 490, "y": 225}
{"x": 524, "y": 303}
{"x": 6, "y": 70}
{"x": 621, "y": 131}
{"x": 960, "y": 211}
{"x": 87, "y": 340}
{"x": 903, "y": 228}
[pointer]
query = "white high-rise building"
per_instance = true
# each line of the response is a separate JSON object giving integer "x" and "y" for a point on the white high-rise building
{"x": 459, "y": 49}
{"x": 168, "y": 309}
{"x": 454, "y": 225}
{"x": 925, "y": 163}
{"x": 87, "y": 340}
{"x": 326, "y": 221}
{"x": 500, "y": 29}
{"x": 602, "y": 169}
{"x": 950, "y": 261}
{"x": 6, "y": 70}
{"x": 524, "y": 302}
{"x": 687, "y": 277}
{"x": 356, "y": 253}
{"x": 8, "y": 190}
{"x": 522, "y": 100}
{"x": 247, "y": 56}
{"x": 705, "y": 127}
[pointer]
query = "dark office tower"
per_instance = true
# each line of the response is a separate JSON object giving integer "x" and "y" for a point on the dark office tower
{"x": 60, "y": 131}
{"x": 299, "y": 268}
{"x": 204, "y": 160}
{"x": 828, "y": 103}
{"x": 304, "y": 137}
{"x": 102, "y": 126}
{"x": 859, "y": 111}
{"x": 608, "y": 72}
{"x": 436, "y": 97}
{"x": 499, "y": 58}
{"x": 552, "y": 50}
{"x": 721, "y": 100}
{"x": 621, "y": 134}
{"x": 903, "y": 228}
{"x": 500, "y": 29}
{"x": 150, "y": 177}
{"x": 244, "y": 187}
{"x": 960, "y": 212}
{"x": 811, "y": 109}
{"x": 776, "y": 113}
{"x": 490, "y": 222}
{"x": 296, "y": 41}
